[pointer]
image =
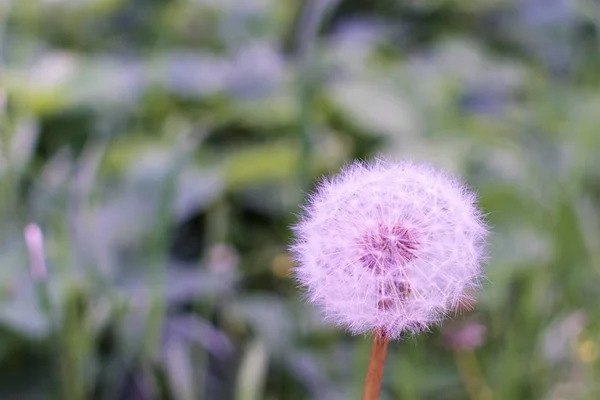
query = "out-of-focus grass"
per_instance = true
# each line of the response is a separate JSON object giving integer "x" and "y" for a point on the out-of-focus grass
{"x": 161, "y": 146}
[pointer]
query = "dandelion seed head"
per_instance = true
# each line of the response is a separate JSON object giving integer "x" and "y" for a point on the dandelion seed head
{"x": 389, "y": 246}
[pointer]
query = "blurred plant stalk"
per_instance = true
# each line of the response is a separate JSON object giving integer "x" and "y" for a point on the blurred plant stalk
{"x": 313, "y": 15}
{"x": 470, "y": 373}
{"x": 464, "y": 338}
{"x": 71, "y": 335}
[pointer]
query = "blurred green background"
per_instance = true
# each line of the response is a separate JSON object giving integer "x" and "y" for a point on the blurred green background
{"x": 164, "y": 147}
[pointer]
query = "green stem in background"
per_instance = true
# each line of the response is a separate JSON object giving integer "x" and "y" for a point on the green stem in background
{"x": 72, "y": 382}
{"x": 156, "y": 314}
{"x": 253, "y": 372}
{"x": 72, "y": 336}
{"x": 6, "y": 184}
{"x": 5, "y": 8}
{"x": 313, "y": 14}
{"x": 471, "y": 376}
{"x": 80, "y": 189}
{"x": 76, "y": 345}
{"x": 151, "y": 342}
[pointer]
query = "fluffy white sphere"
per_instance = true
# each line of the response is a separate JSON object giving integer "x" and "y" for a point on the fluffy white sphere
{"x": 389, "y": 247}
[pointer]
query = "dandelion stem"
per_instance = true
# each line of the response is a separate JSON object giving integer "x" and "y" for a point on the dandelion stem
{"x": 375, "y": 369}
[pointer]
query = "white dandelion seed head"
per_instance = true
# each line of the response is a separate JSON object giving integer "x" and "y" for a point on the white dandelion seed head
{"x": 389, "y": 246}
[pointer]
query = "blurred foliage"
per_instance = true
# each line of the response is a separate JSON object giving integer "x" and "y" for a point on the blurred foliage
{"x": 164, "y": 148}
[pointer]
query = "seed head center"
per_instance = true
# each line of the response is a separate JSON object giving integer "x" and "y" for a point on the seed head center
{"x": 387, "y": 247}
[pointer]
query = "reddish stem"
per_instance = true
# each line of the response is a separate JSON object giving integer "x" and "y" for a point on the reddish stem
{"x": 376, "y": 364}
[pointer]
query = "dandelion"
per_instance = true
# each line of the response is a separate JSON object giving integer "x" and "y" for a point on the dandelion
{"x": 389, "y": 248}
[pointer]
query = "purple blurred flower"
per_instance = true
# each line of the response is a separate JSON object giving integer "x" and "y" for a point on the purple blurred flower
{"x": 223, "y": 258}
{"x": 465, "y": 336}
